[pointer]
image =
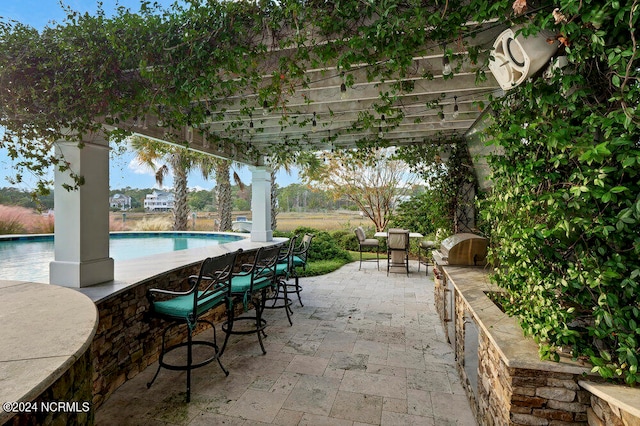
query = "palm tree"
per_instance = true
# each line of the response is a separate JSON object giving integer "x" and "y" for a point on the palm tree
{"x": 181, "y": 161}
{"x": 277, "y": 163}
{"x": 224, "y": 201}
{"x": 223, "y": 194}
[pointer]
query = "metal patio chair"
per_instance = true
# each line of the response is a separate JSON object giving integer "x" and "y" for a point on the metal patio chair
{"x": 364, "y": 243}
{"x": 426, "y": 246}
{"x": 397, "y": 249}
{"x": 207, "y": 290}
{"x": 249, "y": 286}
{"x": 300, "y": 257}
{"x": 284, "y": 270}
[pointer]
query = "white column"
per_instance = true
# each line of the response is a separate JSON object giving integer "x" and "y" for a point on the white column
{"x": 261, "y": 204}
{"x": 81, "y": 234}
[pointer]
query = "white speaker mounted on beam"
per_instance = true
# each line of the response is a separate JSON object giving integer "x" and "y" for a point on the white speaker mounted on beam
{"x": 516, "y": 58}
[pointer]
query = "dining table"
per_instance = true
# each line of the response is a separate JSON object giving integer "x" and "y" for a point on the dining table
{"x": 383, "y": 234}
{"x": 396, "y": 257}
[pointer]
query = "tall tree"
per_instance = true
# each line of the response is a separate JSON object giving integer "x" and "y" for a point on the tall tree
{"x": 224, "y": 201}
{"x": 179, "y": 160}
{"x": 223, "y": 194}
{"x": 374, "y": 180}
{"x": 278, "y": 162}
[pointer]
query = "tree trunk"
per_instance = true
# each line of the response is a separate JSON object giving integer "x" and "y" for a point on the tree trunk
{"x": 223, "y": 190}
{"x": 274, "y": 201}
{"x": 181, "y": 208}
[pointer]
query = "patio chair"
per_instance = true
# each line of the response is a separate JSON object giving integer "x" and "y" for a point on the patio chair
{"x": 284, "y": 268}
{"x": 364, "y": 243}
{"x": 397, "y": 249}
{"x": 249, "y": 286}
{"x": 426, "y": 246}
{"x": 300, "y": 257}
{"x": 207, "y": 290}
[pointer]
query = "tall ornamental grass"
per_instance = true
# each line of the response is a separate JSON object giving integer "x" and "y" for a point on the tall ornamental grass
{"x": 21, "y": 220}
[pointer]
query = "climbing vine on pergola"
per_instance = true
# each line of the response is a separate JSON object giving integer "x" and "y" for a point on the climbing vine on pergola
{"x": 564, "y": 213}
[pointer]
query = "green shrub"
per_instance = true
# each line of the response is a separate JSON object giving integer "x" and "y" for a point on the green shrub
{"x": 346, "y": 239}
{"x": 323, "y": 246}
{"x": 423, "y": 213}
{"x": 326, "y": 254}
{"x": 339, "y": 234}
{"x": 349, "y": 242}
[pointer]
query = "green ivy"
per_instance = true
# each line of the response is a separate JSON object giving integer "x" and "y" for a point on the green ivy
{"x": 563, "y": 214}
{"x": 565, "y": 205}
{"x": 445, "y": 179}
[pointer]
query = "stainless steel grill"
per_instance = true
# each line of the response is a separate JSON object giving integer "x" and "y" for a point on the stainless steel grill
{"x": 462, "y": 249}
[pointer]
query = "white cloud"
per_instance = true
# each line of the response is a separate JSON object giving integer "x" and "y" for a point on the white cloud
{"x": 143, "y": 169}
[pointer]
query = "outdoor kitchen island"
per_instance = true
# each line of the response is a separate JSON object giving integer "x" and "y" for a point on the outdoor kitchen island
{"x": 504, "y": 378}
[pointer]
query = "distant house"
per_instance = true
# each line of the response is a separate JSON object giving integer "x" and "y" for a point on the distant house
{"x": 121, "y": 201}
{"x": 159, "y": 201}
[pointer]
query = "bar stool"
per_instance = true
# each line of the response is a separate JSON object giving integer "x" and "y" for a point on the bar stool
{"x": 284, "y": 269}
{"x": 428, "y": 247}
{"x": 364, "y": 242}
{"x": 300, "y": 257}
{"x": 397, "y": 249}
{"x": 209, "y": 289}
{"x": 250, "y": 287}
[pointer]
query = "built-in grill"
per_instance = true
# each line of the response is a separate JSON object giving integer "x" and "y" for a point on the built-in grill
{"x": 462, "y": 249}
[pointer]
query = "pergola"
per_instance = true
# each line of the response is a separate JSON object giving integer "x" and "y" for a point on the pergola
{"x": 442, "y": 101}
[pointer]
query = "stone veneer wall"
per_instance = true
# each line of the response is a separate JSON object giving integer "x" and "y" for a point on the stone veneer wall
{"x": 517, "y": 396}
{"x": 601, "y": 413}
{"x": 73, "y": 386}
{"x": 128, "y": 339}
{"x": 512, "y": 396}
{"x": 438, "y": 293}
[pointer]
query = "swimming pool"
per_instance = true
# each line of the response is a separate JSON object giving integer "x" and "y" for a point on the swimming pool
{"x": 26, "y": 258}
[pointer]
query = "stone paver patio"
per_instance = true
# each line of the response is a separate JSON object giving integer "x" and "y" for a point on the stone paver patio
{"x": 364, "y": 349}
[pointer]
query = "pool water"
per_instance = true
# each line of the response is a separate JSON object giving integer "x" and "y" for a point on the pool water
{"x": 28, "y": 258}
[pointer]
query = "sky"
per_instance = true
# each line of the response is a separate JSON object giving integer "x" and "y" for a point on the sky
{"x": 125, "y": 170}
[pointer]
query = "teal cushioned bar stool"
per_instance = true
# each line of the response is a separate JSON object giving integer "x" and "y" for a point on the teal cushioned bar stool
{"x": 249, "y": 286}
{"x": 300, "y": 257}
{"x": 207, "y": 290}
{"x": 284, "y": 271}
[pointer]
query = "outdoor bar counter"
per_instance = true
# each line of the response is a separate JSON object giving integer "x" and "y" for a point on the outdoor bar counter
{"x": 130, "y": 273}
{"x": 76, "y": 346}
{"x": 128, "y": 340}
{"x": 45, "y": 334}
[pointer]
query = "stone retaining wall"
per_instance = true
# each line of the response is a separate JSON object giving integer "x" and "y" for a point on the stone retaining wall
{"x": 439, "y": 297}
{"x": 73, "y": 387}
{"x": 612, "y": 405}
{"x": 514, "y": 387}
{"x": 602, "y": 414}
{"x": 129, "y": 339}
{"x": 511, "y": 389}
{"x": 518, "y": 396}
